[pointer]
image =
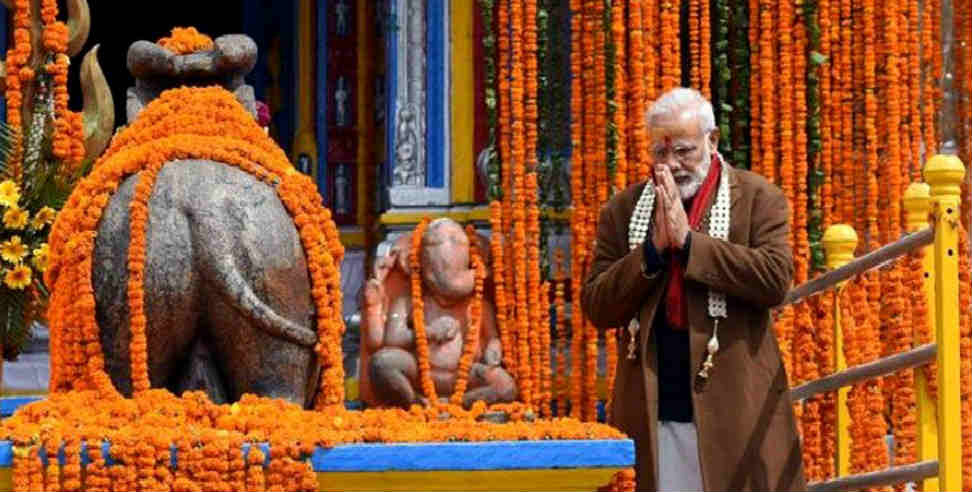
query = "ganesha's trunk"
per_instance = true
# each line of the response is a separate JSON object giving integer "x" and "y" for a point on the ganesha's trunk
{"x": 454, "y": 285}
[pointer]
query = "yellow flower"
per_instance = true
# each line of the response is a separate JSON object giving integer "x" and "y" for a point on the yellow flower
{"x": 15, "y": 218}
{"x": 43, "y": 217}
{"x": 40, "y": 258}
{"x": 13, "y": 250}
{"x": 9, "y": 193}
{"x": 18, "y": 277}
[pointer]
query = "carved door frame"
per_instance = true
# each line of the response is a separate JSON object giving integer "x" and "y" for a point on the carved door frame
{"x": 418, "y": 82}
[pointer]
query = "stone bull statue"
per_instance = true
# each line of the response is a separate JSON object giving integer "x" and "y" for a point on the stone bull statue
{"x": 227, "y": 291}
{"x": 389, "y": 366}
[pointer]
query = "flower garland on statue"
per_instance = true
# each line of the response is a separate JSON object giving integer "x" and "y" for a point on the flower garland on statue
{"x": 471, "y": 342}
{"x": 186, "y": 40}
{"x": 718, "y": 229}
{"x": 202, "y": 123}
{"x": 418, "y": 312}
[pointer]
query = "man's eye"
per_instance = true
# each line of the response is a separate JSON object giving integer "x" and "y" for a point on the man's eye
{"x": 683, "y": 151}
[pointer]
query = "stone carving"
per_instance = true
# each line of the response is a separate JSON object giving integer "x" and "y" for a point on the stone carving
{"x": 408, "y": 171}
{"x": 341, "y": 96}
{"x": 410, "y": 118}
{"x": 156, "y": 69}
{"x": 389, "y": 374}
{"x": 227, "y": 293}
{"x": 343, "y": 13}
{"x": 342, "y": 184}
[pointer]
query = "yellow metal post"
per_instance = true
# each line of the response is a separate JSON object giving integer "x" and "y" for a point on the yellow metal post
{"x": 917, "y": 204}
{"x": 944, "y": 174}
{"x": 839, "y": 242}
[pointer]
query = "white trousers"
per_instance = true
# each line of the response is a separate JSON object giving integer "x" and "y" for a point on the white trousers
{"x": 678, "y": 457}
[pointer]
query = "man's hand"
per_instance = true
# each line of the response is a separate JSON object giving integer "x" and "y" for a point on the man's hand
{"x": 659, "y": 230}
{"x": 676, "y": 219}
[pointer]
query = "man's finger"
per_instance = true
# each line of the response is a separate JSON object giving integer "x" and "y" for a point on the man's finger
{"x": 670, "y": 184}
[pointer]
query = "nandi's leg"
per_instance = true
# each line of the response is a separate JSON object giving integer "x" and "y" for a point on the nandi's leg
{"x": 171, "y": 287}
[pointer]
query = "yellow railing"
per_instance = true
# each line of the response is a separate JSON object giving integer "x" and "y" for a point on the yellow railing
{"x": 939, "y": 419}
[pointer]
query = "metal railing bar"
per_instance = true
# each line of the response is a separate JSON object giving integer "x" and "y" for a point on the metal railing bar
{"x": 898, "y": 474}
{"x": 915, "y": 357}
{"x": 860, "y": 265}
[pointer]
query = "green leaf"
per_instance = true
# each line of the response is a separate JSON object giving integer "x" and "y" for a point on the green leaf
{"x": 817, "y": 58}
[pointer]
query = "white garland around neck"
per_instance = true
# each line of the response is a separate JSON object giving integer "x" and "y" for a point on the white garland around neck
{"x": 718, "y": 229}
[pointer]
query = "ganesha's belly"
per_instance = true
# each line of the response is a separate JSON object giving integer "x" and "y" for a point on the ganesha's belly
{"x": 445, "y": 357}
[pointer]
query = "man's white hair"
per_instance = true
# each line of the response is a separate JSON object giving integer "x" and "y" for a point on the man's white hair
{"x": 679, "y": 100}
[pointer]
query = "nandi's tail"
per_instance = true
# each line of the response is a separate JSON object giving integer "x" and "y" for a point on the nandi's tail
{"x": 233, "y": 286}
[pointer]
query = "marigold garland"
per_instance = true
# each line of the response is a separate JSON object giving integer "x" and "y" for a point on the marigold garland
{"x": 695, "y": 42}
{"x": 471, "y": 343}
{"x": 853, "y": 294}
{"x": 767, "y": 112}
{"x": 619, "y": 106}
{"x": 185, "y": 40}
{"x": 140, "y": 429}
{"x": 650, "y": 20}
{"x": 637, "y": 67}
{"x": 622, "y": 481}
{"x": 498, "y": 254}
{"x": 755, "y": 87}
{"x": 561, "y": 381}
{"x": 965, "y": 351}
{"x": 18, "y": 75}
{"x": 931, "y": 60}
{"x": 705, "y": 57}
{"x": 418, "y": 312}
{"x": 546, "y": 372}
{"x": 846, "y": 161}
{"x": 671, "y": 66}
{"x": 826, "y": 356}
{"x": 534, "y": 290}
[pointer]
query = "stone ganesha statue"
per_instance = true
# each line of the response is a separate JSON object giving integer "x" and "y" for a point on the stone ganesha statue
{"x": 227, "y": 291}
{"x": 388, "y": 373}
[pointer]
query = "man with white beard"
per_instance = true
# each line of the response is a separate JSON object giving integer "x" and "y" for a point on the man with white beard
{"x": 690, "y": 263}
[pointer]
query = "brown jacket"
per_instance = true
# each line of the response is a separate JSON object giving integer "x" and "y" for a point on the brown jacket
{"x": 746, "y": 430}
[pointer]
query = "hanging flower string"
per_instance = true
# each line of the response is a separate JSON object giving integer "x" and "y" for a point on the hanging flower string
{"x": 471, "y": 343}
{"x": 418, "y": 312}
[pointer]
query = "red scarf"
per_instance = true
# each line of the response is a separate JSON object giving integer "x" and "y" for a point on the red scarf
{"x": 677, "y": 309}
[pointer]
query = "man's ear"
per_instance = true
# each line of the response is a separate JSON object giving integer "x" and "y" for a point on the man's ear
{"x": 714, "y": 137}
